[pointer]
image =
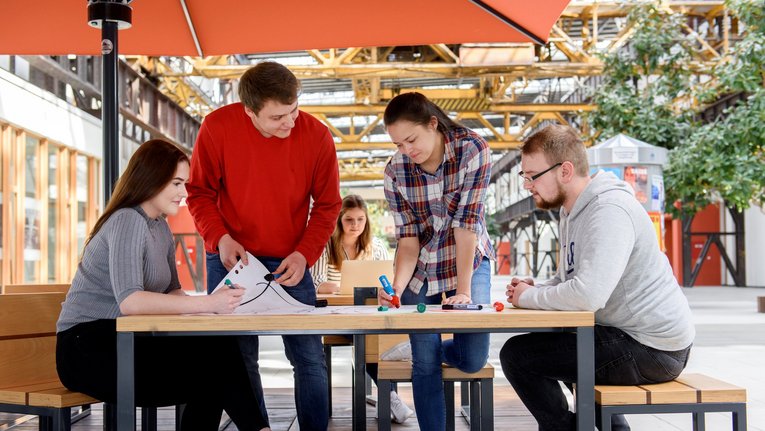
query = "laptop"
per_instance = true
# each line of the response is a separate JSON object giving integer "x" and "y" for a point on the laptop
{"x": 363, "y": 273}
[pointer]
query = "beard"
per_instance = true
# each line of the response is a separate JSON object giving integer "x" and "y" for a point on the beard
{"x": 549, "y": 204}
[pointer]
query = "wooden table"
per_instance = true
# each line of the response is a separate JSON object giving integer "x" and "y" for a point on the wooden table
{"x": 405, "y": 320}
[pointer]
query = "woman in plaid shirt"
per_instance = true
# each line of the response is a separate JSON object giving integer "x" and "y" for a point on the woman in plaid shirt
{"x": 436, "y": 185}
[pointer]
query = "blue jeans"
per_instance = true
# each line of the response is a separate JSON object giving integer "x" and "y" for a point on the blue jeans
{"x": 305, "y": 352}
{"x": 466, "y": 352}
{"x": 535, "y": 363}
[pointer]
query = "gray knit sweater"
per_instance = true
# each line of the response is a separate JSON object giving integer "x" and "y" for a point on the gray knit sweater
{"x": 611, "y": 264}
{"x": 130, "y": 252}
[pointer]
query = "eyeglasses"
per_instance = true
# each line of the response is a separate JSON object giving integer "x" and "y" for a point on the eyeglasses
{"x": 531, "y": 179}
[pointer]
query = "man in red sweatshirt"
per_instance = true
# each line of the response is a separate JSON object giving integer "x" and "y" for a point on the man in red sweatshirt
{"x": 256, "y": 167}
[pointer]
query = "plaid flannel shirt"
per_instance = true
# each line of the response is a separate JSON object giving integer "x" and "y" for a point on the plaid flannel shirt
{"x": 429, "y": 206}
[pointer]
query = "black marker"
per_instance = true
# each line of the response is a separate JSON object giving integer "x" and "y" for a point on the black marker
{"x": 462, "y": 307}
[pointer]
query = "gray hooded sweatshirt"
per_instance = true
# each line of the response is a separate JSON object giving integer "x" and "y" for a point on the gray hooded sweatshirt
{"x": 611, "y": 264}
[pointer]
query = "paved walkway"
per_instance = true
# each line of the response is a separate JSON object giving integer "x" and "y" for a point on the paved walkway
{"x": 730, "y": 345}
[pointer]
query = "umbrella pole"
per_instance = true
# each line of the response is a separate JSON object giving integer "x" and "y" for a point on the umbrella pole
{"x": 109, "y": 110}
{"x": 110, "y": 16}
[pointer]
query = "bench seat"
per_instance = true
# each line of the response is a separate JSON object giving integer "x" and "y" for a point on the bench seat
{"x": 477, "y": 393}
{"x": 690, "y": 393}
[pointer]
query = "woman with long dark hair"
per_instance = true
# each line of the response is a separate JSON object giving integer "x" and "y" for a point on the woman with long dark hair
{"x": 435, "y": 186}
{"x": 128, "y": 267}
{"x": 351, "y": 240}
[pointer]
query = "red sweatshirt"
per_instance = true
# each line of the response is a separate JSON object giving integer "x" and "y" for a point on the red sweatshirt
{"x": 258, "y": 189}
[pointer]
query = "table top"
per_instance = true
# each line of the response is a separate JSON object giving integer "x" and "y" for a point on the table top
{"x": 359, "y": 319}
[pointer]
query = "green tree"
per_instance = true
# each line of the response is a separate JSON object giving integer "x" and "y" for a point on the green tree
{"x": 725, "y": 160}
{"x": 647, "y": 84}
{"x": 648, "y": 92}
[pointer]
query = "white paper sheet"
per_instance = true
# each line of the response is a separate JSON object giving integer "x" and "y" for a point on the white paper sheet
{"x": 261, "y": 296}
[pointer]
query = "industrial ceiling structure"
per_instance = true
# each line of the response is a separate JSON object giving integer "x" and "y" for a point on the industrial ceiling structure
{"x": 503, "y": 91}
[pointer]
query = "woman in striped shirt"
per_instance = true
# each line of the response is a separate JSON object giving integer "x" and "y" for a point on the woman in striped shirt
{"x": 351, "y": 240}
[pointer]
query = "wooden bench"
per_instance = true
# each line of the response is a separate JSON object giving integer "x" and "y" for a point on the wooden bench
{"x": 690, "y": 393}
{"x": 36, "y": 288}
{"x": 477, "y": 403}
{"x": 29, "y": 381}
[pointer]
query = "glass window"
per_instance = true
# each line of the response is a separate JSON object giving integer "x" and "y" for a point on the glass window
{"x": 53, "y": 222}
{"x": 21, "y": 68}
{"x": 82, "y": 201}
{"x": 32, "y": 209}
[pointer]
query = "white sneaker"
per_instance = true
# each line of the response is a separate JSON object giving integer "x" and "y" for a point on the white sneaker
{"x": 398, "y": 409}
{"x": 400, "y": 352}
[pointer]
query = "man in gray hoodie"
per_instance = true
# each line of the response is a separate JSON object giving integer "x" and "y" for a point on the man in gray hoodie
{"x": 611, "y": 264}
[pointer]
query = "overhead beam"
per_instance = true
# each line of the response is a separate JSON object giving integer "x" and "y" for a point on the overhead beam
{"x": 359, "y": 109}
{"x": 412, "y": 70}
{"x": 370, "y": 146}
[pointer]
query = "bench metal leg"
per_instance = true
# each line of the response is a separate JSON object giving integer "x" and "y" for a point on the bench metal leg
{"x": 699, "y": 423}
{"x": 487, "y": 404}
{"x": 383, "y": 405}
{"x": 44, "y": 423}
{"x": 110, "y": 417}
{"x": 475, "y": 406}
{"x": 738, "y": 416}
{"x": 449, "y": 402}
{"x": 61, "y": 420}
{"x": 605, "y": 419}
{"x": 328, "y": 363}
{"x": 148, "y": 419}
{"x": 178, "y": 415}
{"x": 696, "y": 410}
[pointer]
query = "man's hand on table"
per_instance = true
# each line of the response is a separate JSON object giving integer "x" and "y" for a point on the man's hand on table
{"x": 516, "y": 288}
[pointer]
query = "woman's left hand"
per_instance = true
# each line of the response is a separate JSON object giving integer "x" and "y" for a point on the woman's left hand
{"x": 460, "y": 298}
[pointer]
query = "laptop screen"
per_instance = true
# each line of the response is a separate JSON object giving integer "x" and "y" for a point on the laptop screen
{"x": 363, "y": 273}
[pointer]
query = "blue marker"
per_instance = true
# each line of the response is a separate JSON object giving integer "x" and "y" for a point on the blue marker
{"x": 389, "y": 290}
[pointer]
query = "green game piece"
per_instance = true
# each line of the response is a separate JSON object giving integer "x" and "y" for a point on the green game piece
{"x": 421, "y": 308}
{"x": 382, "y": 308}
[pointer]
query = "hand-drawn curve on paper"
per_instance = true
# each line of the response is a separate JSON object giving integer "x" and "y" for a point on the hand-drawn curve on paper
{"x": 263, "y": 294}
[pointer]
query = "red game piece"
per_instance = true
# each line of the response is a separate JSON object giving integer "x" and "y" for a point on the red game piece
{"x": 499, "y": 306}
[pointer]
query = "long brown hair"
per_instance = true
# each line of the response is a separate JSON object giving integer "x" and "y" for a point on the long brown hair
{"x": 364, "y": 241}
{"x": 149, "y": 170}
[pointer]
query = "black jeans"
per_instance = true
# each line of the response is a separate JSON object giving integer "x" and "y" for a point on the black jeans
{"x": 535, "y": 363}
{"x": 168, "y": 371}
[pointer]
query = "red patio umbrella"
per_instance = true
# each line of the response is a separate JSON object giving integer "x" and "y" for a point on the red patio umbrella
{"x": 206, "y": 27}
{"x": 219, "y": 27}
